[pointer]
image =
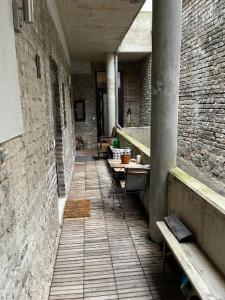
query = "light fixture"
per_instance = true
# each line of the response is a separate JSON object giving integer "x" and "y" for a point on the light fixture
{"x": 28, "y": 11}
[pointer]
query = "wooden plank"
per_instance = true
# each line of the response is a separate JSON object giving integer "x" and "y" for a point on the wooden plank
{"x": 208, "y": 282}
{"x": 105, "y": 256}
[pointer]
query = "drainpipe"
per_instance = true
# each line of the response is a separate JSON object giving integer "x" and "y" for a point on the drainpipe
{"x": 166, "y": 44}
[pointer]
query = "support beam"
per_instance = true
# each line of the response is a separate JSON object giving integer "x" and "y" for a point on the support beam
{"x": 166, "y": 35}
{"x": 111, "y": 90}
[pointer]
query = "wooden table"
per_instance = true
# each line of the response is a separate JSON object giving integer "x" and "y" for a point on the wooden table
{"x": 118, "y": 166}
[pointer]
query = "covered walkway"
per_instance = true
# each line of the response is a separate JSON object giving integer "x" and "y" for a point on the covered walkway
{"x": 105, "y": 256}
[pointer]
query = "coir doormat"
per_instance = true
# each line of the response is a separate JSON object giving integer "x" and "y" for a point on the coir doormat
{"x": 77, "y": 209}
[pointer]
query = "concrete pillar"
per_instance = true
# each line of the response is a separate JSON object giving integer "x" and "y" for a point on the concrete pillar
{"x": 116, "y": 89}
{"x": 166, "y": 42}
{"x": 111, "y": 91}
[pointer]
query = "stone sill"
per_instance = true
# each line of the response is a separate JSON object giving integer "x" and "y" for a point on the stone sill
{"x": 134, "y": 142}
{"x": 200, "y": 189}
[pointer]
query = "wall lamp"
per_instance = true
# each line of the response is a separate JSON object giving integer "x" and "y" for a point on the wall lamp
{"x": 23, "y": 13}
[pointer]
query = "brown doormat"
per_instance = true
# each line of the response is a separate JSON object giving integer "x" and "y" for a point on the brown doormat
{"x": 77, "y": 209}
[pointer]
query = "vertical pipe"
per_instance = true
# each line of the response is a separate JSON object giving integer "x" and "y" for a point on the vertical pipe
{"x": 166, "y": 42}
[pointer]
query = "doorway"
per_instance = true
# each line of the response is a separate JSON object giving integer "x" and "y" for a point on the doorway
{"x": 58, "y": 133}
{"x": 101, "y": 104}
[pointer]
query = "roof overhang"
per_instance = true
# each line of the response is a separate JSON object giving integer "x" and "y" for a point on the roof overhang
{"x": 96, "y": 27}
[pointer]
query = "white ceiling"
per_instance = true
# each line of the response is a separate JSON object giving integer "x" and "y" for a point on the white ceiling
{"x": 95, "y": 27}
{"x": 138, "y": 40}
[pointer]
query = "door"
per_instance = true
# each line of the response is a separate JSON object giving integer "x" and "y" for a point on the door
{"x": 102, "y": 112}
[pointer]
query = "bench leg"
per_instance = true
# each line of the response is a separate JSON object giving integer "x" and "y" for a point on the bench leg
{"x": 164, "y": 260}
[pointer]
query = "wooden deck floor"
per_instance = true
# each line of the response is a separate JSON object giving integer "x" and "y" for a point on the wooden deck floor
{"x": 104, "y": 256}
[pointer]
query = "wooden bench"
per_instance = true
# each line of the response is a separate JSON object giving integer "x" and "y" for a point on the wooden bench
{"x": 208, "y": 282}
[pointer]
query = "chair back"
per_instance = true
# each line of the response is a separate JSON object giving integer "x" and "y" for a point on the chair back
{"x": 114, "y": 131}
{"x": 136, "y": 179}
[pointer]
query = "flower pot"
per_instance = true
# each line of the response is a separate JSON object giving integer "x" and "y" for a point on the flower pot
{"x": 125, "y": 158}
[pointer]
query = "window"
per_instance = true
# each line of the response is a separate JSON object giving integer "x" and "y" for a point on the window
{"x": 80, "y": 110}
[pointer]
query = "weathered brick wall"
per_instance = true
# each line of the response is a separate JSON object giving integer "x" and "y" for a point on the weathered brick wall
{"x": 29, "y": 228}
{"x": 131, "y": 78}
{"x": 84, "y": 88}
{"x": 201, "y": 135}
{"x": 145, "y": 92}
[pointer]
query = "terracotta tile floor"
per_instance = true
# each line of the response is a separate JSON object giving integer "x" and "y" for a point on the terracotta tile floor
{"x": 104, "y": 256}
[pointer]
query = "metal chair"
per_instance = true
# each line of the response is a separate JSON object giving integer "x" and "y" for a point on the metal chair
{"x": 117, "y": 174}
{"x": 105, "y": 142}
{"x": 136, "y": 180}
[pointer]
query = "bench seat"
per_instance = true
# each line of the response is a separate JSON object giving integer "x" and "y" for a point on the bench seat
{"x": 208, "y": 282}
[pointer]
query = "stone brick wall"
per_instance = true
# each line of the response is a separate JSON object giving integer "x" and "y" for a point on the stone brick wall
{"x": 201, "y": 135}
{"x": 84, "y": 88}
{"x": 131, "y": 78}
{"x": 29, "y": 228}
{"x": 145, "y": 92}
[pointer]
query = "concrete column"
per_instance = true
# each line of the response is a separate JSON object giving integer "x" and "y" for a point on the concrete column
{"x": 116, "y": 88}
{"x": 111, "y": 90}
{"x": 166, "y": 41}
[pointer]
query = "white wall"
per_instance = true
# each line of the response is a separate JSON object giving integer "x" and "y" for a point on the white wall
{"x": 139, "y": 36}
{"x": 141, "y": 134}
{"x": 81, "y": 67}
{"x": 10, "y": 109}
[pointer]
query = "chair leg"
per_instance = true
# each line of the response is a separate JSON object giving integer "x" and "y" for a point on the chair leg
{"x": 164, "y": 261}
{"x": 98, "y": 154}
{"x": 113, "y": 200}
{"x": 124, "y": 205}
{"x": 118, "y": 196}
{"x": 112, "y": 186}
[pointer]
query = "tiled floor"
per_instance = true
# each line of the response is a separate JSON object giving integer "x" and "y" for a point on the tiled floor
{"x": 104, "y": 256}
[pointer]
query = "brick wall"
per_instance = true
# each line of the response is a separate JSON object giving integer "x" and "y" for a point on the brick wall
{"x": 131, "y": 78}
{"x": 201, "y": 135}
{"x": 29, "y": 228}
{"x": 145, "y": 92}
{"x": 84, "y": 88}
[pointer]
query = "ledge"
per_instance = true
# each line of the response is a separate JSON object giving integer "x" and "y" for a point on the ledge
{"x": 134, "y": 142}
{"x": 201, "y": 189}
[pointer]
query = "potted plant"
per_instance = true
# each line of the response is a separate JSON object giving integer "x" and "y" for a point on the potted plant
{"x": 125, "y": 158}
